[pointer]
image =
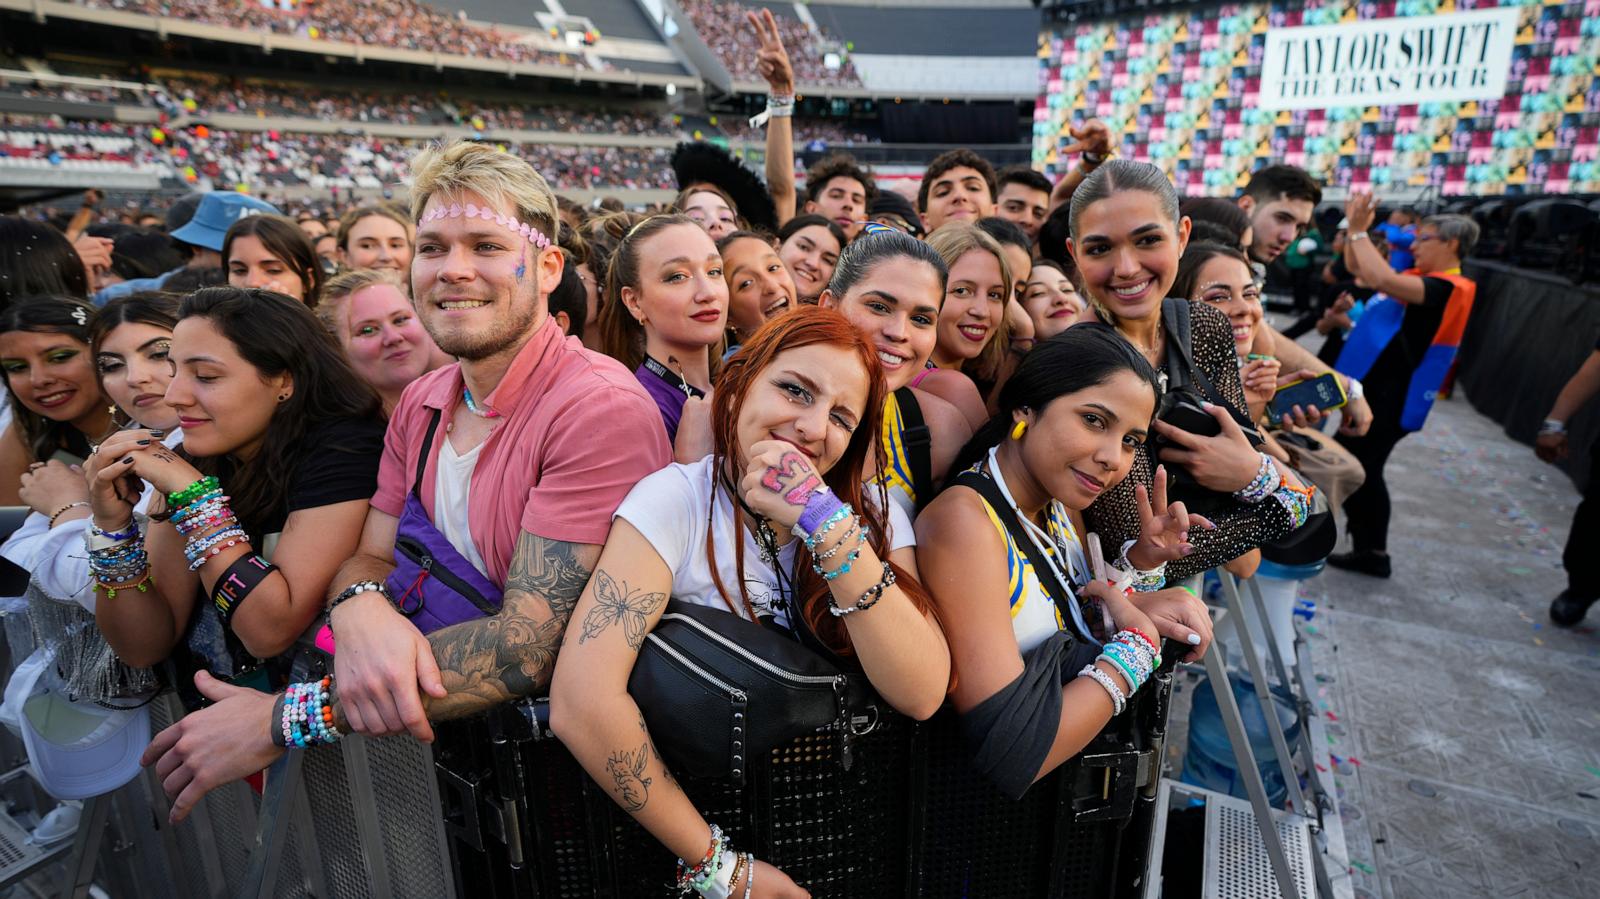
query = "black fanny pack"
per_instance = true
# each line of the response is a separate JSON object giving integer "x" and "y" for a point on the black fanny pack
{"x": 719, "y": 691}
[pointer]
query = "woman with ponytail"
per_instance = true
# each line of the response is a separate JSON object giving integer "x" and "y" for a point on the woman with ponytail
{"x": 793, "y": 421}
{"x": 1037, "y": 675}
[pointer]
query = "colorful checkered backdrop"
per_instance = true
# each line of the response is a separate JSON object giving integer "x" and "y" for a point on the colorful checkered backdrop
{"x": 1180, "y": 90}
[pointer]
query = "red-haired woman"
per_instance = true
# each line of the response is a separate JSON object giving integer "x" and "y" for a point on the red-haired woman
{"x": 795, "y": 411}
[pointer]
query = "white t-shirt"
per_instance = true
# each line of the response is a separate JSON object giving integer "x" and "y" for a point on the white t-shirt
{"x": 452, "y": 483}
{"x": 669, "y": 509}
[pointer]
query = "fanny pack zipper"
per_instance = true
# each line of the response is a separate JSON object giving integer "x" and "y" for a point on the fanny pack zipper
{"x": 763, "y": 664}
{"x": 417, "y": 553}
{"x": 664, "y": 646}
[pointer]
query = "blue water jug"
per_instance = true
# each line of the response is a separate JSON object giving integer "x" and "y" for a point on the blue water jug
{"x": 1208, "y": 763}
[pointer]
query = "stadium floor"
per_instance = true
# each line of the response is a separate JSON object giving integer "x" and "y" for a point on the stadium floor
{"x": 1467, "y": 725}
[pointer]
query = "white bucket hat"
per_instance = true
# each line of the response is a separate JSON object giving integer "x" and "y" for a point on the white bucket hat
{"x": 78, "y": 748}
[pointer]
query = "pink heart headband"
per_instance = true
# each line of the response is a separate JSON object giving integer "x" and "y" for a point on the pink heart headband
{"x": 474, "y": 211}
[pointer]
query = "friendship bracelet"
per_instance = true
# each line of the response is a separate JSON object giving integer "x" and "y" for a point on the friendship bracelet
{"x": 188, "y": 494}
{"x": 1145, "y": 580}
{"x": 306, "y": 717}
{"x": 840, "y": 514}
{"x": 142, "y": 585}
{"x": 1112, "y": 690}
{"x": 1133, "y": 631}
{"x": 856, "y": 529}
{"x": 868, "y": 599}
{"x": 195, "y": 550}
{"x": 693, "y": 879}
{"x": 1131, "y": 676}
{"x": 1266, "y": 483}
{"x": 64, "y": 510}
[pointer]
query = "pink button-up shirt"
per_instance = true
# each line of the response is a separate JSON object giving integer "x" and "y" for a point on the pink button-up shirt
{"x": 577, "y": 432}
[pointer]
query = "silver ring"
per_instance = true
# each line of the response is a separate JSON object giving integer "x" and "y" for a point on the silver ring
{"x": 94, "y": 448}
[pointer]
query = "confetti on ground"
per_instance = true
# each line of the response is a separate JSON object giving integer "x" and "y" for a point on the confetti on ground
{"x": 1325, "y": 771}
{"x": 1592, "y": 770}
{"x": 1519, "y": 571}
{"x": 1538, "y": 642}
{"x": 1362, "y": 866}
{"x": 1332, "y": 716}
{"x": 1355, "y": 761}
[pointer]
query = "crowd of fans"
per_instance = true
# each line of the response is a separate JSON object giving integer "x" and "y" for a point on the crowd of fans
{"x": 381, "y": 23}
{"x": 483, "y": 437}
{"x": 721, "y": 24}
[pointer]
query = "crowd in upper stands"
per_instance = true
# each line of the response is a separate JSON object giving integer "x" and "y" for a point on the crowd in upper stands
{"x": 721, "y": 24}
{"x": 380, "y": 23}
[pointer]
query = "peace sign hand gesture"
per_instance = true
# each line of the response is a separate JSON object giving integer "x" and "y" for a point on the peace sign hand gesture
{"x": 772, "y": 61}
{"x": 1092, "y": 137}
{"x": 1163, "y": 527}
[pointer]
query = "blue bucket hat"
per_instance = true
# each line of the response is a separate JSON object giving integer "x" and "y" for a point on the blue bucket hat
{"x": 216, "y": 214}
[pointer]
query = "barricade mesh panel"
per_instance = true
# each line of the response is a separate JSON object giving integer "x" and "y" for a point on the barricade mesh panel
{"x": 162, "y": 715}
{"x": 563, "y": 835}
{"x": 408, "y": 817}
{"x": 976, "y": 842}
{"x": 233, "y": 817}
{"x": 841, "y": 832}
{"x": 327, "y": 787}
{"x": 291, "y": 882}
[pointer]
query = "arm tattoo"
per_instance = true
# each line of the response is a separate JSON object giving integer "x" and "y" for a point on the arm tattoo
{"x": 613, "y": 604}
{"x": 511, "y": 654}
{"x": 548, "y": 568}
{"x": 627, "y": 771}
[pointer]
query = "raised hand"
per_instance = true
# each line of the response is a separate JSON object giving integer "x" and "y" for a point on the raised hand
{"x": 1093, "y": 137}
{"x": 778, "y": 481}
{"x": 772, "y": 61}
{"x": 1163, "y": 527}
{"x": 1360, "y": 210}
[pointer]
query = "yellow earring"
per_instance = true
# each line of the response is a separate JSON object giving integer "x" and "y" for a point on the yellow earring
{"x": 1019, "y": 430}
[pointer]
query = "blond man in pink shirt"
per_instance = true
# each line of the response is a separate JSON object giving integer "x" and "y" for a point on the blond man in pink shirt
{"x": 537, "y": 442}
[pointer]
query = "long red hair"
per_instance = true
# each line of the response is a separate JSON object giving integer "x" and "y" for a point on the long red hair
{"x": 808, "y": 326}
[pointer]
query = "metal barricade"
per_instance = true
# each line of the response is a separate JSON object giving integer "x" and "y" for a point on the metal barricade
{"x": 909, "y": 818}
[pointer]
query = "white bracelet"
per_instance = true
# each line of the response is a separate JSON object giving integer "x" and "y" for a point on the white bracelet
{"x": 1354, "y": 390}
{"x": 1112, "y": 690}
{"x": 1360, "y": 235}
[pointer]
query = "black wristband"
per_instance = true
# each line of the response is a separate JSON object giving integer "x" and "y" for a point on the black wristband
{"x": 244, "y": 575}
{"x": 276, "y": 728}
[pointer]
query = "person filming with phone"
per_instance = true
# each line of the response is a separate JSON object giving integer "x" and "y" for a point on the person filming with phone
{"x": 1401, "y": 350}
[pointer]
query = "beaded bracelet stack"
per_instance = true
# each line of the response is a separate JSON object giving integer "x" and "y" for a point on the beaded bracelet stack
{"x": 1266, "y": 482}
{"x": 1142, "y": 580}
{"x": 719, "y": 869}
{"x": 203, "y": 518}
{"x": 1132, "y": 654}
{"x": 117, "y": 559}
{"x": 1270, "y": 484}
{"x": 823, "y": 513}
{"x": 305, "y": 715}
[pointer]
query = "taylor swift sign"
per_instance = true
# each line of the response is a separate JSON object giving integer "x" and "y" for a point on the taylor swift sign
{"x": 1383, "y": 62}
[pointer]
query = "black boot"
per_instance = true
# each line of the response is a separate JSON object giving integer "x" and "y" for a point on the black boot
{"x": 1362, "y": 561}
{"x": 1569, "y": 608}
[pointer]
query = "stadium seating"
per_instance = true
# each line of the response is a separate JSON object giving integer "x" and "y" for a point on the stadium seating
{"x": 1179, "y": 89}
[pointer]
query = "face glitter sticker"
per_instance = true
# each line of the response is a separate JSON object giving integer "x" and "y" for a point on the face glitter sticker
{"x": 471, "y": 210}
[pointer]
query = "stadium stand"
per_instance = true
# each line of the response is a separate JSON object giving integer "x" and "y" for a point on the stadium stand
{"x": 1181, "y": 89}
{"x": 721, "y": 24}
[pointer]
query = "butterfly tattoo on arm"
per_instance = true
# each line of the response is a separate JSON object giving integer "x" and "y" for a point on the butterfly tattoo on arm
{"x": 616, "y": 604}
